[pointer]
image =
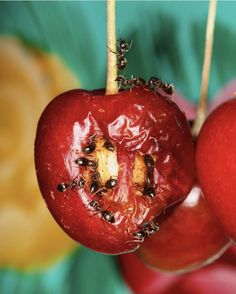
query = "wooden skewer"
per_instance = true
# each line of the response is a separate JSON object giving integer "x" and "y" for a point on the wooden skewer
{"x": 202, "y": 105}
{"x": 111, "y": 85}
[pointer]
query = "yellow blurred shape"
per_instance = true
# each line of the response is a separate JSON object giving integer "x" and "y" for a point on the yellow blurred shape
{"x": 29, "y": 79}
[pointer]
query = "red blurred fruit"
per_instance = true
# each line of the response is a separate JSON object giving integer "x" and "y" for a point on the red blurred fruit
{"x": 142, "y": 279}
{"x": 217, "y": 278}
{"x": 229, "y": 256}
{"x": 216, "y": 163}
{"x": 189, "y": 237}
{"x": 82, "y": 133}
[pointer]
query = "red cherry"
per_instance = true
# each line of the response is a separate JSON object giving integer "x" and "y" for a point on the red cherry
{"x": 108, "y": 164}
{"x": 229, "y": 257}
{"x": 218, "y": 277}
{"x": 189, "y": 237}
{"x": 216, "y": 163}
{"x": 141, "y": 279}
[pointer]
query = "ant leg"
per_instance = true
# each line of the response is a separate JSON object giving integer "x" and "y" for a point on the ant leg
{"x": 115, "y": 52}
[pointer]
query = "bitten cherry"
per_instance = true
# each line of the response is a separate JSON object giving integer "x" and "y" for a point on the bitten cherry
{"x": 216, "y": 163}
{"x": 107, "y": 165}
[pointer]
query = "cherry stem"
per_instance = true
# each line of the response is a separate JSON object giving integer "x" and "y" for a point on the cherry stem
{"x": 112, "y": 85}
{"x": 202, "y": 105}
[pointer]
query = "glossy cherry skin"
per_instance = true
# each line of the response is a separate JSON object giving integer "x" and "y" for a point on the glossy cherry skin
{"x": 216, "y": 163}
{"x": 137, "y": 122}
{"x": 189, "y": 237}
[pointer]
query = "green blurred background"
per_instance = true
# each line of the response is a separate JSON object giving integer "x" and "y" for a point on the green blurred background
{"x": 168, "y": 38}
{"x": 168, "y": 41}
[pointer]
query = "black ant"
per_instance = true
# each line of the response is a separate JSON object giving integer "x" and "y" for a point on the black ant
{"x": 155, "y": 83}
{"x": 109, "y": 146}
{"x": 89, "y": 148}
{"x": 148, "y": 188}
{"x": 94, "y": 186}
{"x": 122, "y": 81}
{"x": 91, "y": 145}
{"x": 95, "y": 205}
{"x": 83, "y": 161}
{"x": 92, "y": 164}
{"x": 137, "y": 82}
{"x": 63, "y": 186}
{"x": 95, "y": 189}
{"x": 148, "y": 180}
{"x": 121, "y": 62}
{"x": 149, "y": 162}
{"x": 108, "y": 216}
{"x": 101, "y": 191}
{"x": 140, "y": 235}
{"x": 122, "y": 48}
{"x": 81, "y": 182}
{"x": 95, "y": 176}
{"x": 133, "y": 82}
{"x": 150, "y": 227}
{"x": 147, "y": 229}
{"x": 167, "y": 88}
{"x": 111, "y": 183}
{"x": 149, "y": 191}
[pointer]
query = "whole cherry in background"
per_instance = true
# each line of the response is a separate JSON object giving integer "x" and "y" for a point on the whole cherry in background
{"x": 216, "y": 163}
{"x": 190, "y": 237}
{"x": 218, "y": 277}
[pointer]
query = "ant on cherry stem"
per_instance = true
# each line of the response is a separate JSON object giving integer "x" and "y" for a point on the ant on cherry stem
{"x": 122, "y": 48}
